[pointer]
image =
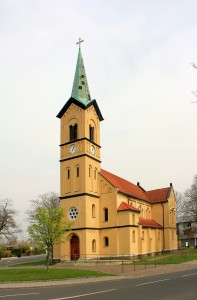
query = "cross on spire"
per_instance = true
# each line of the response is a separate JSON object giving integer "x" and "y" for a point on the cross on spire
{"x": 79, "y": 42}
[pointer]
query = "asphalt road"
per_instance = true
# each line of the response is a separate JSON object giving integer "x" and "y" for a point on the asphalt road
{"x": 20, "y": 260}
{"x": 174, "y": 286}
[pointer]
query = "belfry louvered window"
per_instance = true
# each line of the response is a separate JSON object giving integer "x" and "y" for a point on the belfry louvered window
{"x": 91, "y": 133}
{"x": 73, "y": 132}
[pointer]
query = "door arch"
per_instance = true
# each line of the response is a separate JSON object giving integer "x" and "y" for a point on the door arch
{"x": 74, "y": 247}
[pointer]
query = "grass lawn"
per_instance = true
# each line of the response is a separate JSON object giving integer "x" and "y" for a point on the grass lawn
{"x": 10, "y": 275}
{"x": 177, "y": 258}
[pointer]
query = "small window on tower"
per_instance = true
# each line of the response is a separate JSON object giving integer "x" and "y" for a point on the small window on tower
{"x": 80, "y": 87}
{"x": 83, "y": 82}
{"x": 106, "y": 241}
{"x": 77, "y": 171}
{"x": 105, "y": 214}
{"x": 82, "y": 76}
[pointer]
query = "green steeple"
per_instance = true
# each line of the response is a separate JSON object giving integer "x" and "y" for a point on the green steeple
{"x": 80, "y": 90}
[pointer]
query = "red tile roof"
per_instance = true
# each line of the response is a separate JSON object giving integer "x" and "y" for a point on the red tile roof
{"x": 159, "y": 195}
{"x": 149, "y": 223}
{"x": 125, "y": 206}
{"x": 125, "y": 186}
{"x": 128, "y": 188}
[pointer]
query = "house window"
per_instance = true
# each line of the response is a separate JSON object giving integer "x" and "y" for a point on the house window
{"x": 106, "y": 241}
{"x": 73, "y": 132}
{"x": 105, "y": 214}
{"x": 93, "y": 210}
{"x": 77, "y": 171}
{"x": 68, "y": 174}
{"x": 189, "y": 224}
{"x": 94, "y": 246}
{"x": 91, "y": 133}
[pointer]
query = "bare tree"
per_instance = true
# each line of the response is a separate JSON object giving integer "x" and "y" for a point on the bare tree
{"x": 194, "y": 92}
{"x": 47, "y": 200}
{"x": 8, "y": 226}
{"x": 179, "y": 204}
{"x": 189, "y": 207}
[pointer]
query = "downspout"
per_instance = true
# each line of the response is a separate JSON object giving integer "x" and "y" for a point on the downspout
{"x": 163, "y": 230}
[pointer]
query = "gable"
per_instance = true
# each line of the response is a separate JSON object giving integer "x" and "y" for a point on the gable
{"x": 81, "y": 105}
{"x": 127, "y": 207}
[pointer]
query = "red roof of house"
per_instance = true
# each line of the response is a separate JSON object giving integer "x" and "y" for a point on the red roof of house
{"x": 125, "y": 206}
{"x": 149, "y": 223}
{"x": 128, "y": 188}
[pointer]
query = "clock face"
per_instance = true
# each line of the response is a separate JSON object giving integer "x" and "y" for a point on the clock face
{"x": 92, "y": 149}
{"x": 72, "y": 149}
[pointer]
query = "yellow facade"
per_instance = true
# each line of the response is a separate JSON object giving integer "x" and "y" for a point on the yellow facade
{"x": 92, "y": 201}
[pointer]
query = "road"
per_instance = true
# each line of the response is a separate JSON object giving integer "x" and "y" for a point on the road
{"x": 20, "y": 260}
{"x": 174, "y": 286}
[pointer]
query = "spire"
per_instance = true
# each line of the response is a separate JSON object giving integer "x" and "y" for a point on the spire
{"x": 80, "y": 90}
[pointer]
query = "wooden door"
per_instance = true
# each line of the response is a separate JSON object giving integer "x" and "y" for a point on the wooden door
{"x": 74, "y": 247}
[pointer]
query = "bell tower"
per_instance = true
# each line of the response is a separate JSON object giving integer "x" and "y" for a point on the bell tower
{"x": 80, "y": 155}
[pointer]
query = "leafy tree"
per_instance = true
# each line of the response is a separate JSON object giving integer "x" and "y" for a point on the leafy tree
{"x": 47, "y": 223}
{"x": 8, "y": 226}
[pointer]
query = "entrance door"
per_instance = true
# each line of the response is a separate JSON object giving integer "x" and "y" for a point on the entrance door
{"x": 74, "y": 247}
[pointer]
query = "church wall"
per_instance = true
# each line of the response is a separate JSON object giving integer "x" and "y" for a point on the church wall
{"x": 80, "y": 204}
{"x": 92, "y": 245}
{"x": 108, "y": 200}
{"x": 157, "y": 213}
{"x": 112, "y": 236}
{"x": 124, "y": 218}
{"x": 124, "y": 236}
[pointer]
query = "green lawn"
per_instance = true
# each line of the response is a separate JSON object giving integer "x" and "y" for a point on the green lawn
{"x": 177, "y": 258}
{"x": 10, "y": 275}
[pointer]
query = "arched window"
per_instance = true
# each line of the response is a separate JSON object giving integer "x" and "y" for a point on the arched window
{"x": 142, "y": 235}
{"x": 105, "y": 214}
{"x": 158, "y": 235}
{"x": 94, "y": 246}
{"x": 68, "y": 173}
{"x": 93, "y": 210}
{"x": 91, "y": 133}
{"x": 73, "y": 132}
{"x": 106, "y": 241}
{"x": 133, "y": 217}
{"x": 77, "y": 172}
{"x": 90, "y": 171}
{"x": 133, "y": 236}
{"x": 95, "y": 174}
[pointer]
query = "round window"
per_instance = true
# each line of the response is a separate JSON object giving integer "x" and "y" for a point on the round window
{"x": 73, "y": 213}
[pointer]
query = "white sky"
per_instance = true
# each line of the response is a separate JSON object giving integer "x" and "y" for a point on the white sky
{"x": 137, "y": 57}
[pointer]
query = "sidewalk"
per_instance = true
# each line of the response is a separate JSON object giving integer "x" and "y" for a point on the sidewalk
{"x": 121, "y": 272}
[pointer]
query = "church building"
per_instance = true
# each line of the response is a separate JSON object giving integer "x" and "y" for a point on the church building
{"x": 110, "y": 215}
